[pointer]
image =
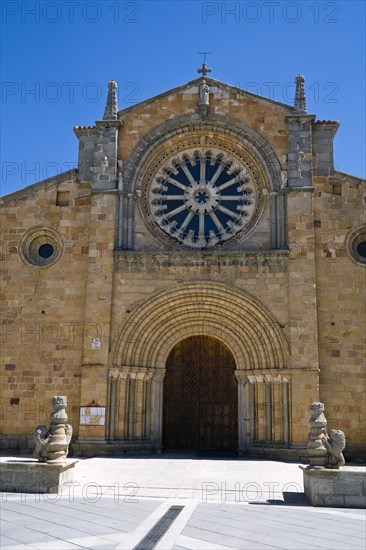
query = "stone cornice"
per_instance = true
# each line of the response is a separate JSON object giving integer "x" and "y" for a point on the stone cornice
{"x": 94, "y": 130}
{"x": 331, "y": 125}
{"x": 134, "y": 261}
{"x": 300, "y": 116}
{"x": 86, "y": 131}
{"x": 108, "y": 123}
{"x": 69, "y": 175}
{"x": 276, "y": 372}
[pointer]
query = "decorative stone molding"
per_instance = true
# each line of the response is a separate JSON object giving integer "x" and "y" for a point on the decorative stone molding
{"x": 266, "y": 378}
{"x": 124, "y": 372}
{"x": 135, "y": 261}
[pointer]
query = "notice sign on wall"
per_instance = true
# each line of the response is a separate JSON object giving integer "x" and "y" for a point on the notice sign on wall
{"x": 92, "y": 416}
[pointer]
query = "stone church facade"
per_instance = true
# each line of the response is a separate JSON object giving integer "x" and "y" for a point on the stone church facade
{"x": 195, "y": 284}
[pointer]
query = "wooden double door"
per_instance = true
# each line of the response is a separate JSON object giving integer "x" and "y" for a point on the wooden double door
{"x": 200, "y": 397}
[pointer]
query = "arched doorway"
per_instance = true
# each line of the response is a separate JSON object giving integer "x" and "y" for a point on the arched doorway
{"x": 200, "y": 396}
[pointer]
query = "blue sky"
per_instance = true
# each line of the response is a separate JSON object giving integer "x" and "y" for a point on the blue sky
{"x": 57, "y": 57}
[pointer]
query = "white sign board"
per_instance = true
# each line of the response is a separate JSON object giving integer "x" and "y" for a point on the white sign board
{"x": 92, "y": 416}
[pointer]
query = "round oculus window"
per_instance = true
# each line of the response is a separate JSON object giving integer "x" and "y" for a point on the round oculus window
{"x": 358, "y": 248}
{"x": 361, "y": 250}
{"x": 46, "y": 250}
{"x": 41, "y": 246}
{"x": 357, "y": 245}
{"x": 203, "y": 199}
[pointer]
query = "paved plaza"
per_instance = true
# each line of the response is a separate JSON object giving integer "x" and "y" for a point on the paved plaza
{"x": 174, "y": 502}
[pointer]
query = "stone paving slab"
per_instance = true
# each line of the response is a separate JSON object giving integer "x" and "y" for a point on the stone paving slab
{"x": 35, "y": 520}
{"x": 170, "y": 476}
{"x": 113, "y": 504}
{"x": 248, "y": 522}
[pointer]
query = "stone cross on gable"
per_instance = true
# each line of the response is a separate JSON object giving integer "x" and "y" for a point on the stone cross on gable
{"x": 204, "y": 69}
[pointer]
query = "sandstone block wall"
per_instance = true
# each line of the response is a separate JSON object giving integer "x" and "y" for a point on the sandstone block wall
{"x": 341, "y": 297}
{"x": 43, "y": 320}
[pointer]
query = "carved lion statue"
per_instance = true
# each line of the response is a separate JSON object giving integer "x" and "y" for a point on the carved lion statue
{"x": 41, "y": 437}
{"x": 335, "y": 444}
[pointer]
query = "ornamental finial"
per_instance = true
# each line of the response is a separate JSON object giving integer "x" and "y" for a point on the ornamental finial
{"x": 111, "y": 107}
{"x": 300, "y": 99}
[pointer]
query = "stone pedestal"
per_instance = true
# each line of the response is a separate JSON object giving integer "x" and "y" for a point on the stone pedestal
{"x": 343, "y": 488}
{"x": 30, "y": 476}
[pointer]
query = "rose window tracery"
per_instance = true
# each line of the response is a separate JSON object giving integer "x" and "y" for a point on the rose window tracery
{"x": 202, "y": 198}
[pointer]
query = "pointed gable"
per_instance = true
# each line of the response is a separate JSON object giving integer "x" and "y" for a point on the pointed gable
{"x": 265, "y": 116}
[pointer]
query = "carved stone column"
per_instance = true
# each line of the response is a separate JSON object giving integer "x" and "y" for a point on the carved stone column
{"x": 123, "y": 401}
{"x": 285, "y": 412}
{"x": 113, "y": 376}
{"x": 242, "y": 412}
{"x": 131, "y": 405}
{"x": 273, "y": 218}
{"x": 157, "y": 409}
{"x": 268, "y": 408}
{"x": 148, "y": 408}
{"x": 274, "y": 395}
{"x": 253, "y": 412}
{"x": 139, "y": 404}
{"x": 131, "y": 413}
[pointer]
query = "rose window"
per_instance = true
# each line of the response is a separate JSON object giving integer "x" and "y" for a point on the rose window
{"x": 202, "y": 199}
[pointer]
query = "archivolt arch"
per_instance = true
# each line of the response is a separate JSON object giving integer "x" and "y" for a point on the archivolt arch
{"x": 234, "y": 317}
{"x": 184, "y": 125}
